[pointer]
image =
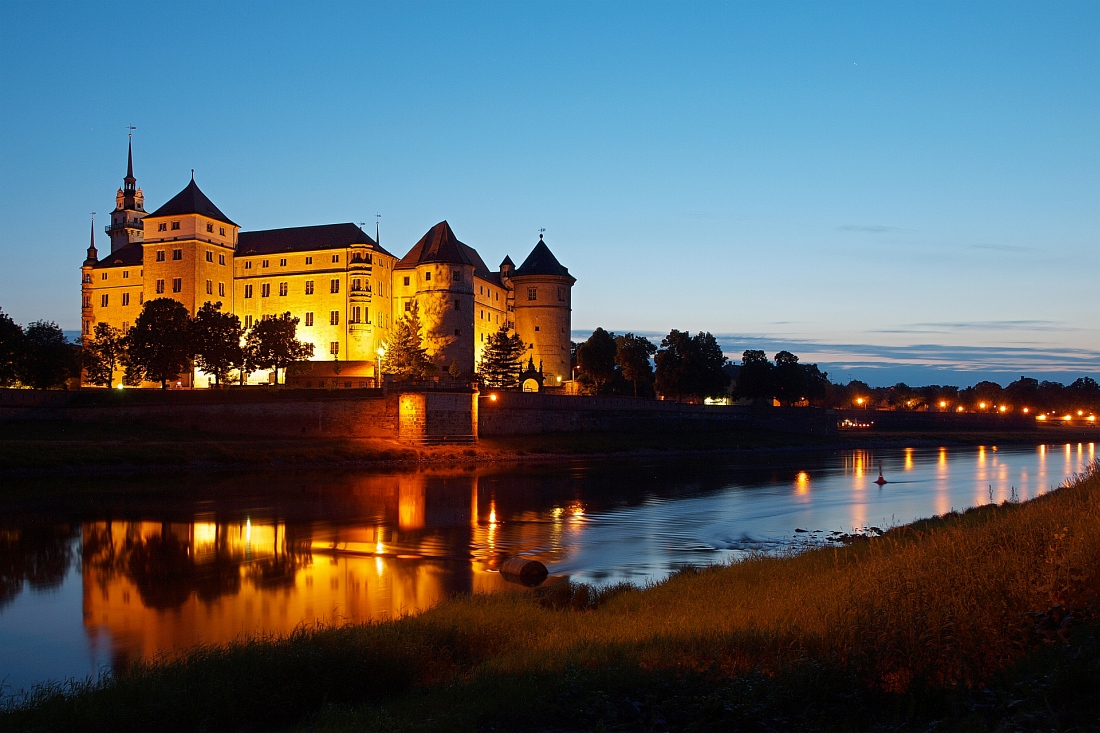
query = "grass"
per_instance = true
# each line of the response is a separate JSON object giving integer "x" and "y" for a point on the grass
{"x": 971, "y": 621}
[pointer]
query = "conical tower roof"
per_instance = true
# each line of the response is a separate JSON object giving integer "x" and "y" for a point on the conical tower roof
{"x": 191, "y": 200}
{"x": 542, "y": 261}
{"x": 441, "y": 245}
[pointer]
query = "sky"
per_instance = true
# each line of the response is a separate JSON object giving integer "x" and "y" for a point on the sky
{"x": 896, "y": 191}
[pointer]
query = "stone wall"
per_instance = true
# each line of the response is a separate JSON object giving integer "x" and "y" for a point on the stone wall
{"x": 525, "y": 413}
{"x": 438, "y": 417}
{"x": 945, "y": 421}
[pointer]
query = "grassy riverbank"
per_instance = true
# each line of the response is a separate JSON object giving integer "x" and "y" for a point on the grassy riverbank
{"x": 986, "y": 620}
{"x": 44, "y": 448}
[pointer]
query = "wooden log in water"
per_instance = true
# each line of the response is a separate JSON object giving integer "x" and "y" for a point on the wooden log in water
{"x": 523, "y": 570}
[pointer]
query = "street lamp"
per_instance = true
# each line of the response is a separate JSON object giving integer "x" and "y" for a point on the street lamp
{"x": 381, "y": 351}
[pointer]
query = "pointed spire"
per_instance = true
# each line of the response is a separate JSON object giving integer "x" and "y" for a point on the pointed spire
{"x": 93, "y": 254}
{"x": 129, "y": 179}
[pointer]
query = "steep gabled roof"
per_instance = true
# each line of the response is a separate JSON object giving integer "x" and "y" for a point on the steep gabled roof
{"x": 542, "y": 261}
{"x": 303, "y": 239}
{"x": 191, "y": 200}
{"x": 126, "y": 256}
{"x": 441, "y": 245}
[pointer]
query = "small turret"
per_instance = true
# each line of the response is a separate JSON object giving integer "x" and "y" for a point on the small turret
{"x": 93, "y": 253}
{"x": 126, "y": 226}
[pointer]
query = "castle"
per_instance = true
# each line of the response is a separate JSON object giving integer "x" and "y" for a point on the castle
{"x": 347, "y": 291}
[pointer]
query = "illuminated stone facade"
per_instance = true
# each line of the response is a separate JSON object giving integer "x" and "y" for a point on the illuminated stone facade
{"x": 346, "y": 290}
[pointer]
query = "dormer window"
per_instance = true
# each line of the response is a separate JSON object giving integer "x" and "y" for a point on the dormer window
{"x": 210, "y": 228}
{"x": 221, "y": 231}
{"x": 162, "y": 227}
{"x": 175, "y": 225}
{"x": 427, "y": 276}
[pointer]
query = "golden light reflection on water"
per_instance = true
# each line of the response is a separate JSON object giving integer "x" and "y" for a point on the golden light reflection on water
{"x": 908, "y": 459}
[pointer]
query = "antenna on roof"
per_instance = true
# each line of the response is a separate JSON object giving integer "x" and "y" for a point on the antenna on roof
{"x": 377, "y": 238}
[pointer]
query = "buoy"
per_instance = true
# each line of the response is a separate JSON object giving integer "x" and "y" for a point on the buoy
{"x": 880, "y": 480}
{"x": 524, "y": 571}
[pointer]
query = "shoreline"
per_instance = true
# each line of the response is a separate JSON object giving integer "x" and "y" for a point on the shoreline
{"x": 53, "y": 450}
{"x": 899, "y": 622}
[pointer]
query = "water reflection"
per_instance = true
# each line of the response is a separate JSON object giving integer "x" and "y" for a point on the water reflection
{"x": 208, "y": 560}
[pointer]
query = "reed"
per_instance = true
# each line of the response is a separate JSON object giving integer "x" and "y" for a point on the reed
{"x": 925, "y": 616}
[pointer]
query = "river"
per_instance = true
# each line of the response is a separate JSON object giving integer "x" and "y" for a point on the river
{"x": 98, "y": 572}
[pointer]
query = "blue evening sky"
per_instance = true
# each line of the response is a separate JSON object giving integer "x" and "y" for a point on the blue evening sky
{"x": 894, "y": 190}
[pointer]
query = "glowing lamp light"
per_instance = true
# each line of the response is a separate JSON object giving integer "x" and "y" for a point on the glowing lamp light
{"x": 1026, "y": 410}
{"x": 959, "y": 409}
{"x": 1041, "y": 417}
{"x": 559, "y": 379}
{"x": 943, "y": 403}
{"x": 859, "y": 400}
{"x": 1091, "y": 418}
{"x": 492, "y": 398}
{"x": 1004, "y": 409}
{"x": 981, "y": 405}
{"x": 119, "y": 386}
{"x": 1080, "y": 412}
{"x": 381, "y": 351}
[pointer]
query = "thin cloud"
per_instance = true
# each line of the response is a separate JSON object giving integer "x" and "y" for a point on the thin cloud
{"x": 1009, "y": 325}
{"x": 868, "y": 228}
{"x": 1001, "y": 247}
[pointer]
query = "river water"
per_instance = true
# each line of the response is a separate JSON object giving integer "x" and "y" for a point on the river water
{"x": 95, "y": 573}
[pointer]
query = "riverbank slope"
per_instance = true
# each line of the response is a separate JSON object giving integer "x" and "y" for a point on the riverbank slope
{"x": 985, "y": 620}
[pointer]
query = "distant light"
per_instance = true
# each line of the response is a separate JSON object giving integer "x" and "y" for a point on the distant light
{"x": 1092, "y": 418}
{"x": 1067, "y": 418}
{"x": 1003, "y": 408}
{"x": 959, "y": 409}
{"x": 1080, "y": 412}
{"x": 1026, "y": 410}
{"x": 981, "y": 405}
{"x": 381, "y": 351}
{"x": 1041, "y": 417}
{"x": 859, "y": 400}
{"x": 943, "y": 403}
{"x": 493, "y": 397}
{"x": 559, "y": 377}
{"x": 119, "y": 386}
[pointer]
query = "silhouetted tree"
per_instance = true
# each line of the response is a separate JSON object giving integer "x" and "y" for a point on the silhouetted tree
{"x": 788, "y": 379}
{"x": 158, "y": 347}
{"x": 405, "y": 356}
{"x": 756, "y": 380}
{"x": 12, "y": 344}
{"x": 632, "y": 353}
{"x": 272, "y": 344}
{"x": 48, "y": 359}
{"x": 217, "y": 341}
{"x": 102, "y": 353}
{"x": 596, "y": 358}
{"x": 690, "y": 366}
{"x": 502, "y": 360}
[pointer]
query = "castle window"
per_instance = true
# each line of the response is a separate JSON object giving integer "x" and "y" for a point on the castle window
{"x": 221, "y": 231}
{"x": 126, "y": 299}
{"x": 482, "y": 337}
{"x": 162, "y": 227}
{"x": 209, "y": 256}
{"x": 141, "y": 298}
{"x": 309, "y": 318}
{"x": 356, "y": 314}
{"x": 561, "y": 295}
{"x": 406, "y": 282}
{"x": 265, "y": 290}
{"x": 86, "y": 301}
{"x": 87, "y": 326}
{"x": 209, "y": 287}
{"x": 536, "y": 328}
{"x": 125, "y": 274}
{"x": 160, "y": 287}
{"x": 356, "y": 284}
{"x": 221, "y": 290}
{"x": 458, "y": 305}
{"x": 177, "y": 254}
{"x": 160, "y": 255}
{"x": 248, "y": 321}
{"x": 103, "y": 276}
{"x": 334, "y": 286}
{"x": 284, "y": 288}
{"x": 334, "y": 347}
{"x": 248, "y": 265}
{"x": 175, "y": 225}
{"x": 309, "y": 287}
{"x": 177, "y": 285}
{"x": 496, "y": 295}
{"x": 532, "y": 293}
{"x": 336, "y": 258}
{"x": 210, "y": 228}
{"x": 221, "y": 259}
{"x": 457, "y": 275}
{"x": 482, "y": 316}
{"x": 408, "y": 306}
{"x": 282, "y": 262}
{"x": 427, "y": 276}
{"x": 263, "y": 264}
{"x": 481, "y": 290}
{"x": 88, "y": 278}
{"x": 309, "y": 260}
{"x": 103, "y": 301}
{"x": 458, "y": 332}
{"x": 334, "y": 318}
{"x": 248, "y": 291}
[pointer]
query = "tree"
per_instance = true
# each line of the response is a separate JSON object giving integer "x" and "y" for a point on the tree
{"x": 158, "y": 347}
{"x": 691, "y": 366}
{"x": 632, "y": 353}
{"x": 102, "y": 353}
{"x": 596, "y": 358}
{"x": 12, "y": 343}
{"x": 454, "y": 370}
{"x": 272, "y": 344}
{"x": 502, "y": 360}
{"x": 788, "y": 379}
{"x": 48, "y": 359}
{"x": 405, "y": 356}
{"x": 755, "y": 381}
{"x": 217, "y": 341}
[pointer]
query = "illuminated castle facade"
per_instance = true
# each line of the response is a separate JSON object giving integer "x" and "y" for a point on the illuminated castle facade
{"x": 344, "y": 287}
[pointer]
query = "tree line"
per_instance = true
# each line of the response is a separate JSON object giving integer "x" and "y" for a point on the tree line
{"x": 986, "y": 396}
{"x": 38, "y": 356}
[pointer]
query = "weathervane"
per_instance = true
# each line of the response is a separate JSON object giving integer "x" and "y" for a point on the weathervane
{"x": 131, "y": 128}
{"x": 541, "y": 230}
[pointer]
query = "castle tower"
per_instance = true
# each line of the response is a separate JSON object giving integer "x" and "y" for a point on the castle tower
{"x": 438, "y": 274}
{"x": 542, "y": 292}
{"x": 126, "y": 225}
{"x": 87, "y": 314}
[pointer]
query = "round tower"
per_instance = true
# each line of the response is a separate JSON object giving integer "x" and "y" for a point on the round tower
{"x": 542, "y": 293}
